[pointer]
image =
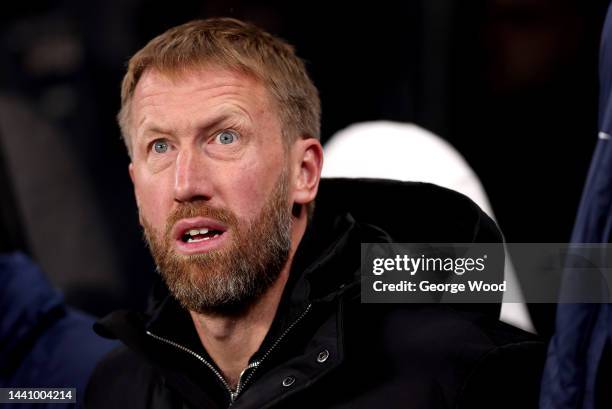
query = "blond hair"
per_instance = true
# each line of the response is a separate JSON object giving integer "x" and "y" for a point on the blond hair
{"x": 235, "y": 45}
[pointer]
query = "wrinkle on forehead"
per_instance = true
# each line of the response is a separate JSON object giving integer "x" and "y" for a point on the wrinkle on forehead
{"x": 157, "y": 90}
{"x": 203, "y": 78}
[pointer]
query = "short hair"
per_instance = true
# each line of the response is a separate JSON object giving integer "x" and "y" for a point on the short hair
{"x": 235, "y": 45}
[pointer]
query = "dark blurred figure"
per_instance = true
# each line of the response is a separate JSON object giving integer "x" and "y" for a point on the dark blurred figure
{"x": 43, "y": 343}
{"x": 525, "y": 98}
{"x": 59, "y": 139}
{"x": 579, "y": 366}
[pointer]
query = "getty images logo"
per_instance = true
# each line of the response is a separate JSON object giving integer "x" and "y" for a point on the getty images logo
{"x": 412, "y": 265}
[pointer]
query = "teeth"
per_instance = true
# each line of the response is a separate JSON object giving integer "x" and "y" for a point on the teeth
{"x": 191, "y": 240}
{"x": 195, "y": 232}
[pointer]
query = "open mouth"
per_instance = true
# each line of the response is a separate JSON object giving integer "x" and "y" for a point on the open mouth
{"x": 197, "y": 235}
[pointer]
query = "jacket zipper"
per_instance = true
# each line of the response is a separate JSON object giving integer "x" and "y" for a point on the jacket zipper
{"x": 253, "y": 365}
{"x": 199, "y": 357}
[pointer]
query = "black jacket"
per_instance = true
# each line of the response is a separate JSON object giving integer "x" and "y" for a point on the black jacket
{"x": 325, "y": 348}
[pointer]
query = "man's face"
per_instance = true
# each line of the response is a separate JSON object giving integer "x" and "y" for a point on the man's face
{"x": 212, "y": 185}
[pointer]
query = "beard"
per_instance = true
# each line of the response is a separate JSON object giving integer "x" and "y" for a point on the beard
{"x": 228, "y": 280}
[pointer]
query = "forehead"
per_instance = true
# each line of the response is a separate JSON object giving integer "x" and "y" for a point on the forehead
{"x": 194, "y": 89}
{"x": 203, "y": 77}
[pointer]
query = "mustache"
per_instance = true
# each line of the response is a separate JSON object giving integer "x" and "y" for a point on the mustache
{"x": 200, "y": 209}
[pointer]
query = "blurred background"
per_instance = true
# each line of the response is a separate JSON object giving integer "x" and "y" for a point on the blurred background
{"x": 511, "y": 84}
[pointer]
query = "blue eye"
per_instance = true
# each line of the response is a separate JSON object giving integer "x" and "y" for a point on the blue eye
{"x": 226, "y": 137}
{"x": 160, "y": 146}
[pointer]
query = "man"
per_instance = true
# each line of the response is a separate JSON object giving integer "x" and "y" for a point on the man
{"x": 259, "y": 305}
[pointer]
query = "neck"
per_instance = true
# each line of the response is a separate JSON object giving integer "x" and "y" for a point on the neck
{"x": 232, "y": 340}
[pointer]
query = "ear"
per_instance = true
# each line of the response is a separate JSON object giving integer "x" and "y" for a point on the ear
{"x": 308, "y": 160}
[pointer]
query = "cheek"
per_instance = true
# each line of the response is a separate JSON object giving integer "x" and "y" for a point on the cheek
{"x": 252, "y": 185}
{"x": 153, "y": 199}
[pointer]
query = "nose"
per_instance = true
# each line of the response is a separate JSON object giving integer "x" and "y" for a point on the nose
{"x": 191, "y": 180}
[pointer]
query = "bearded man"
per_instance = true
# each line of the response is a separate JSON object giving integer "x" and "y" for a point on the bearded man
{"x": 258, "y": 304}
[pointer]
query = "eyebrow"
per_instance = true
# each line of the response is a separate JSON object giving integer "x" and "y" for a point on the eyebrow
{"x": 233, "y": 115}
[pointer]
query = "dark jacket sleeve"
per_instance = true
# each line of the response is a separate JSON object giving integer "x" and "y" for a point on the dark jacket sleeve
{"x": 43, "y": 343}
